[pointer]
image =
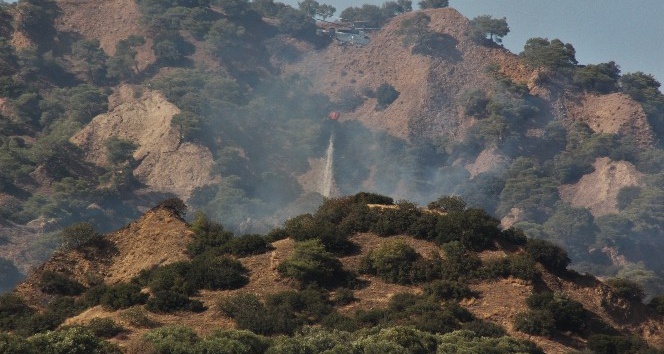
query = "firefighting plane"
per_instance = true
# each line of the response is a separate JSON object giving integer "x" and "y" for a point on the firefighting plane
{"x": 346, "y": 33}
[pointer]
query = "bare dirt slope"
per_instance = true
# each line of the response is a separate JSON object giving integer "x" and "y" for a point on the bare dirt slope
{"x": 165, "y": 164}
{"x": 598, "y": 191}
{"x": 614, "y": 113}
{"x": 108, "y": 21}
{"x": 427, "y": 85}
{"x": 158, "y": 237}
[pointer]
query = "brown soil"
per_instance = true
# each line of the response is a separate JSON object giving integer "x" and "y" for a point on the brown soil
{"x": 614, "y": 113}
{"x": 109, "y": 21}
{"x": 165, "y": 163}
{"x": 421, "y": 80}
{"x": 598, "y": 190}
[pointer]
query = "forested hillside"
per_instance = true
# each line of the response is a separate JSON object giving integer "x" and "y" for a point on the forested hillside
{"x": 227, "y": 104}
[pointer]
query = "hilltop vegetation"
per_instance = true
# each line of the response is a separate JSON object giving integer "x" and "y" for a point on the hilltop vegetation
{"x": 318, "y": 300}
{"x": 448, "y": 111}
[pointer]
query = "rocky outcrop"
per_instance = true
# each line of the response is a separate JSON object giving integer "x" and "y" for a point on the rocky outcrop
{"x": 165, "y": 163}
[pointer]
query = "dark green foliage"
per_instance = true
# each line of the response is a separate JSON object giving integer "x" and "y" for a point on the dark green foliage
{"x": 459, "y": 264}
{"x": 611, "y": 344}
{"x": 554, "y": 54}
{"x": 281, "y": 313}
{"x": 170, "y": 301}
{"x": 394, "y": 262}
{"x": 207, "y": 235}
{"x": 484, "y": 328}
{"x": 79, "y": 235}
{"x": 433, "y": 4}
{"x": 307, "y": 227}
{"x": 538, "y": 322}
{"x": 446, "y": 204}
{"x": 343, "y": 296}
{"x": 9, "y": 274}
{"x": 627, "y": 289}
{"x": 122, "y": 296}
{"x": 657, "y": 303}
{"x": 10, "y": 344}
{"x": 89, "y": 61}
{"x": 312, "y": 264}
{"x": 246, "y": 245}
{"x": 371, "y": 198}
{"x": 415, "y": 29}
{"x": 567, "y": 314}
{"x": 213, "y": 272}
{"x": 189, "y": 124}
{"x": 123, "y": 65}
{"x": 104, "y": 327}
{"x": 474, "y": 103}
{"x": 119, "y": 150}
{"x": 59, "y": 284}
{"x": 515, "y": 265}
{"x": 176, "y": 205}
{"x": 448, "y": 290}
{"x": 295, "y": 22}
{"x": 138, "y": 317}
{"x": 484, "y": 25}
{"x": 174, "y": 339}
{"x": 386, "y": 94}
{"x": 599, "y": 78}
{"x": 73, "y": 340}
{"x": 171, "y": 277}
{"x": 12, "y": 311}
{"x": 551, "y": 256}
{"x": 425, "y": 313}
{"x": 514, "y": 236}
{"x": 92, "y": 296}
{"x": 369, "y": 15}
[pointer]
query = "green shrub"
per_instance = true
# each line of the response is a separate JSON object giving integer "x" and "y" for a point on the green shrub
{"x": 484, "y": 328}
{"x": 79, "y": 235}
{"x": 567, "y": 314}
{"x": 104, "y": 327}
{"x": 393, "y": 262}
{"x": 310, "y": 263}
{"x": 539, "y": 52}
{"x": 386, "y": 94}
{"x": 248, "y": 312}
{"x": 171, "y": 277}
{"x": 73, "y": 340}
{"x": 371, "y": 198}
{"x": 627, "y": 289}
{"x": 174, "y": 339}
{"x": 92, "y": 296}
{"x": 246, "y": 245}
{"x": 611, "y": 344}
{"x": 448, "y": 290}
{"x": 515, "y": 265}
{"x": 137, "y": 317}
{"x": 539, "y": 323}
{"x": 549, "y": 255}
{"x": 216, "y": 273}
{"x": 233, "y": 341}
{"x": 343, "y": 296}
{"x": 657, "y": 303}
{"x": 600, "y": 78}
{"x": 170, "y": 301}
{"x": 122, "y": 296}
{"x": 207, "y": 235}
{"x": 474, "y": 102}
{"x": 13, "y": 310}
{"x": 10, "y": 344}
{"x": 59, "y": 284}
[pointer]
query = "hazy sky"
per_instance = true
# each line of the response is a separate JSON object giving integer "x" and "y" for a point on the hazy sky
{"x": 631, "y": 33}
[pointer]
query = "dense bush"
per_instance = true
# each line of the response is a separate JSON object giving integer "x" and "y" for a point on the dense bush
{"x": 551, "y": 256}
{"x": 13, "y": 311}
{"x": 600, "y": 78}
{"x": 567, "y": 314}
{"x": 515, "y": 265}
{"x": 207, "y": 234}
{"x": 627, "y": 289}
{"x": 213, "y": 272}
{"x": 386, "y": 94}
{"x": 310, "y": 263}
{"x": 79, "y": 235}
{"x": 612, "y": 344}
{"x": 59, "y": 284}
{"x": 122, "y": 295}
{"x": 657, "y": 303}
{"x": 448, "y": 290}
{"x": 73, "y": 340}
{"x": 246, "y": 245}
{"x": 281, "y": 313}
{"x": 170, "y": 301}
{"x": 398, "y": 263}
{"x": 104, "y": 327}
{"x": 540, "y": 52}
{"x": 534, "y": 322}
{"x": 138, "y": 317}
